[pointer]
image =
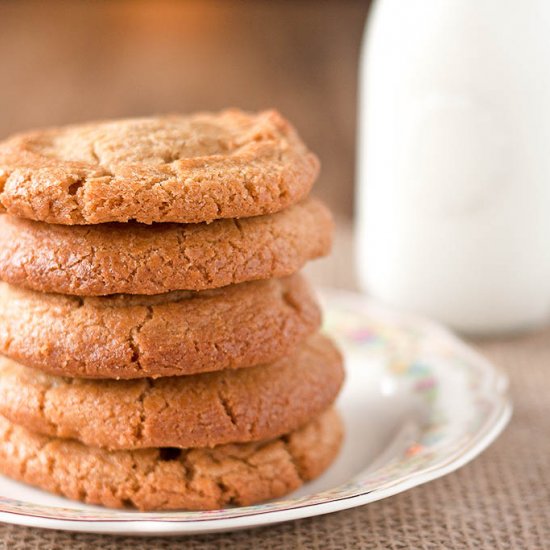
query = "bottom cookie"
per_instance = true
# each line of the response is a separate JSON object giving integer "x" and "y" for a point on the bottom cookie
{"x": 168, "y": 479}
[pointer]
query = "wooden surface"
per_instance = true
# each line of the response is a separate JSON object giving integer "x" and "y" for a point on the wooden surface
{"x": 71, "y": 61}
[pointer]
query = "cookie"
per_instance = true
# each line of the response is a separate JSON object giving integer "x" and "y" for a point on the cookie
{"x": 201, "y": 410}
{"x": 168, "y": 479}
{"x": 184, "y": 169}
{"x": 179, "y": 333}
{"x": 138, "y": 259}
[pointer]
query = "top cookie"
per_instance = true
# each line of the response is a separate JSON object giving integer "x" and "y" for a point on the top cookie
{"x": 183, "y": 169}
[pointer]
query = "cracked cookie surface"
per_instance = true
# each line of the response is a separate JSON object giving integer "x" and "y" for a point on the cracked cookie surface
{"x": 179, "y": 333}
{"x": 138, "y": 259}
{"x": 183, "y": 169}
{"x": 164, "y": 479}
{"x": 188, "y": 411}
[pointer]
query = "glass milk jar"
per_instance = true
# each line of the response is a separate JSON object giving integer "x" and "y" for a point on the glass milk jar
{"x": 453, "y": 188}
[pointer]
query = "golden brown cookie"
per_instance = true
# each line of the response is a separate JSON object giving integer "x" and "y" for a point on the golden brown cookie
{"x": 178, "y": 333}
{"x": 139, "y": 259}
{"x": 201, "y": 410}
{"x": 167, "y": 479}
{"x": 183, "y": 169}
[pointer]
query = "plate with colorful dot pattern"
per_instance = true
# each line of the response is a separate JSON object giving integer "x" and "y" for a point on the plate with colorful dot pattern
{"x": 417, "y": 404}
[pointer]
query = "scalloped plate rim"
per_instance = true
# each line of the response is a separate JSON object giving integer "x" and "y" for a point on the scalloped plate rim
{"x": 249, "y": 518}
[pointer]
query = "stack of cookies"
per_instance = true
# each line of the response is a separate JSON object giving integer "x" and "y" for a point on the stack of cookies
{"x": 160, "y": 349}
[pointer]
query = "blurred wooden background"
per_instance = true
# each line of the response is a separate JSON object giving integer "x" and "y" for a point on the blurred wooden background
{"x": 69, "y": 61}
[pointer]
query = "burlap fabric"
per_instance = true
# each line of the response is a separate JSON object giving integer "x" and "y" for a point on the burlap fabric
{"x": 499, "y": 501}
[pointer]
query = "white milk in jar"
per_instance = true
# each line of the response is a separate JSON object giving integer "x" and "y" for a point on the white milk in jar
{"x": 453, "y": 197}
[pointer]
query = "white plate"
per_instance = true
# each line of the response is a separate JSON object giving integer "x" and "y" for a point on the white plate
{"x": 417, "y": 404}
